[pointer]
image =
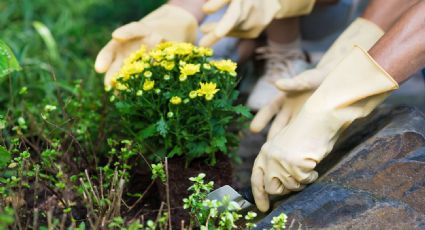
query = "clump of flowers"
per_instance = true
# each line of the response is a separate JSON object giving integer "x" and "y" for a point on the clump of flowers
{"x": 174, "y": 101}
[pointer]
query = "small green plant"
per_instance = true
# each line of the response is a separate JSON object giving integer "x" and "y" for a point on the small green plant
{"x": 175, "y": 101}
{"x": 159, "y": 172}
{"x": 224, "y": 214}
{"x": 279, "y": 222}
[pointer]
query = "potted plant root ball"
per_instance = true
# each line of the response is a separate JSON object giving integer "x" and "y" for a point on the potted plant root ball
{"x": 177, "y": 104}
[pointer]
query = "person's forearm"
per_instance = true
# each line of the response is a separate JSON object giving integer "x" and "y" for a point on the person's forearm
{"x": 192, "y": 6}
{"x": 385, "y": 13}
{"x": 401, "y": 51}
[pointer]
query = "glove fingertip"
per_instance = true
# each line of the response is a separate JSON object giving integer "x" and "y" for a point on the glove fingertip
{"x": 213, "y": 6}
{"x": 208, "y": 40}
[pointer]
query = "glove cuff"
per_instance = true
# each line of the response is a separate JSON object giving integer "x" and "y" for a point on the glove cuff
{"x": 292, "y": 8}
{"x": 361, "y": 32}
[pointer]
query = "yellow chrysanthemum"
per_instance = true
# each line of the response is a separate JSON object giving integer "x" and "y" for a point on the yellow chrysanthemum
{"x": 208, "y": 90}
{"x": 168, "y": 65}
{"x": 157, "y": 55}
{"x": 148, "y": 85}
{"x": 130, "y": 69}
{"x": 183, "y": 48}
{"x": 182, "y": 77}
{"x": 189, "y": 69}
{"x": 136, "y": 56}
{"x": 193, "y": 94}
{"x": 205, "y": 51}
{"x": 175, "y": 100}
{"x": 225, "y": 66}
{"x": 147, "y": 74}
{"x": 118, "y": 85}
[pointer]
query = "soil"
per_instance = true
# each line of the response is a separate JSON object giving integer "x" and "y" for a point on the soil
{"x": 220, "y": 173}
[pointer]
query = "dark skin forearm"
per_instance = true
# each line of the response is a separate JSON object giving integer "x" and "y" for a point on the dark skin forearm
{"x": 401, "y": 51}
{"x": 385, "y": 13}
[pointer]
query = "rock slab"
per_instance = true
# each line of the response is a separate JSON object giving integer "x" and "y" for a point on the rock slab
{"x": 374, "y": 178}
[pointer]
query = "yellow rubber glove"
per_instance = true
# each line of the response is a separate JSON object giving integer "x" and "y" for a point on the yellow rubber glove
{"x": 361, "y": 32}
{"x": 351, "y": 91}
{"x": 248, "y": 18}
{"x": 295, "y": 91}
{"x": 283, "y": 108}
{"x": 167, "y": 23}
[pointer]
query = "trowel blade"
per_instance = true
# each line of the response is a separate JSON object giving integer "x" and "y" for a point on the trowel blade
{"x": 232, "y": 194}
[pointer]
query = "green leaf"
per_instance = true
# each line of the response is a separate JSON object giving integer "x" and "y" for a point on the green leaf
{"x": 242, "y": 110}
{"x": 220, "y": 143}
{"x": 8, "y": 62}
{"x": 162, "y": 127}
{"x": 147, "y": 132}
{"x": 5, "y": 157}
{"x": 176, "y": 151}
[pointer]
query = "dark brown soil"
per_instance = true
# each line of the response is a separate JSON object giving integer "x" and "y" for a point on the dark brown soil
{"x": 220, "y": 173}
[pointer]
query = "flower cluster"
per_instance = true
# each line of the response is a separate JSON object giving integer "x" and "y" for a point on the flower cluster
{"x": 176, "y": 101}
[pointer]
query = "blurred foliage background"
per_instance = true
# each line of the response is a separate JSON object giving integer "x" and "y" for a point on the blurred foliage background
{"x": 78, "y": 30}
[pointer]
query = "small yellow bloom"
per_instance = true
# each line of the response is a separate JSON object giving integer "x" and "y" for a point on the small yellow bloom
{"x": 189, "y": 69}
{"x": 148, "y": 85}
{"x": 168, "y": 65}
{"x": 175, "y": 100}
{"x": 167, "y": 77}
{"x": 205, "y": 51}
{"x": 206, "y": 66}
{"x": 139, "y": 93}
{"x": 193, "y": 94}
{"x": 157, "y": 55}
{"x": 182, "y": 78}
{"x": 209, "y": 97}
{"x": 225, "y": 66}
{"x": 147, "y": 74}
{"x": 208, "y": 90}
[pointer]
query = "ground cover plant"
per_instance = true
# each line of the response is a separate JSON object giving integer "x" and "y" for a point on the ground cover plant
{"x": 65, "y": 162}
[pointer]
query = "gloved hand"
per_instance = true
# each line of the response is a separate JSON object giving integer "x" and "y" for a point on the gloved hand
{"x": 167, "y": 23}
{"x": 247, "y": 18}
{"x": 284, "y": 108}
{"x": 361, "y": 32}
{"x": 295, "y": 91}
{"x": 351, "y": 91}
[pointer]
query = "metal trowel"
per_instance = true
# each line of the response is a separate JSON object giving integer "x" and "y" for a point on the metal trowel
{"x": 245, "y": 199}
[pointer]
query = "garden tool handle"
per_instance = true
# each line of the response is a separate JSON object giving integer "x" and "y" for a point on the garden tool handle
{"x": 246, "y": 194}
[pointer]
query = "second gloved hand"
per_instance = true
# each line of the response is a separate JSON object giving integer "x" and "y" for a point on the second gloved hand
{"x": 286, "y": 162}
{"x": 296, "y": 91}
{"x": 248, "y": 18}
{"x": 167, "y": 23}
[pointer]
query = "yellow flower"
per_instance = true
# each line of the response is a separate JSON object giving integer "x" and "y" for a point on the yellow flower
{"x": 182, "y": 78}
{"x": 139, "y": 93}
{"x": 148, "y": 85}
{"x": 205, "y": 51}
{"x": 136, "y": 55}
{"x": 208, "y": 90}
{"x": 157, "y": 55}
{"x": 206, "y": 66}
{"x": 167, "y": 77}
{"x": 183, "y": 48}
{"x": 189, "y": 69}
{"x": 225, "y": 66}
{"x": 130, "y": 69}
{"x": 193, "y": 94}
{"x": 147, "y": 74}
{"x": 175, "y": 100}
{"x": 168, "y": 65}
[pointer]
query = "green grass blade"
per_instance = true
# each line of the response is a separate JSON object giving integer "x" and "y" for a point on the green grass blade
{"x": 48, "y": 39}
